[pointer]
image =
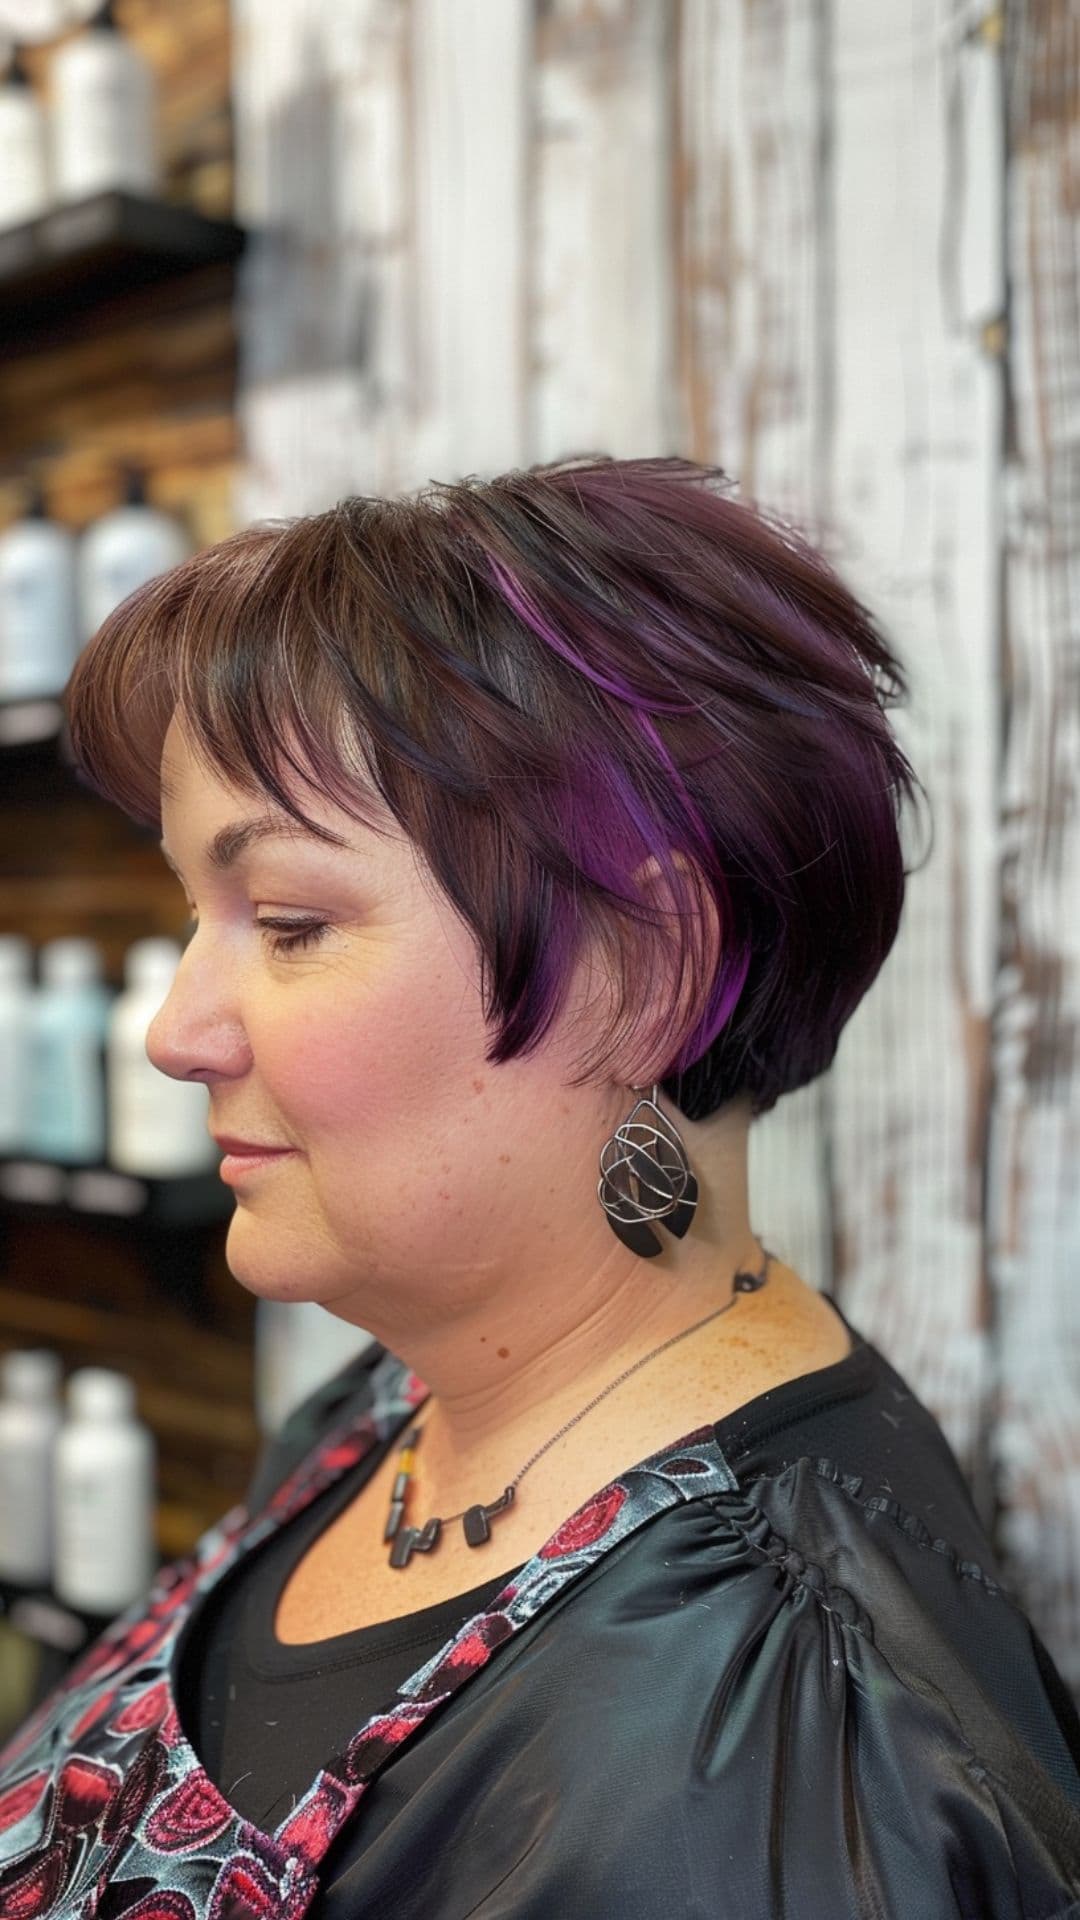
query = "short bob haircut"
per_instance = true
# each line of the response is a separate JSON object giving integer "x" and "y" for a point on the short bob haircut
{"x": 548, "y": 677}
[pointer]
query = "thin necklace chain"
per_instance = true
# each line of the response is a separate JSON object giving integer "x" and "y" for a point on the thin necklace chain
{"x": 759, "y": 1279}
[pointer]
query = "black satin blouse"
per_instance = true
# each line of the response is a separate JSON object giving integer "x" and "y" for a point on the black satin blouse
{"x": 813, "y": 1698}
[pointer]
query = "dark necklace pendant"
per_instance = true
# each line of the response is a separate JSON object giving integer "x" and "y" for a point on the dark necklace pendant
{"x": 410, "y": 1540}
{"x": 746, "y": 1282}
{"x": 475, "y": 1520}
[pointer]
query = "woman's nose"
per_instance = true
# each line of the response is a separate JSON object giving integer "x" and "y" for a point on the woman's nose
{"x": 193, "y": 1032}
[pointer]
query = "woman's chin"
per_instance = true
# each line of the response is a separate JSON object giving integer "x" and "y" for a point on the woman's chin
{"x": 274, "y": 1265}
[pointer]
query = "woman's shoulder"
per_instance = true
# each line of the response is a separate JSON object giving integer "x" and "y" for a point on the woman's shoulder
{"x": 852, "y": 1564}
{"x": 880, "y": 1573}
{"x": 843, "y": 1716}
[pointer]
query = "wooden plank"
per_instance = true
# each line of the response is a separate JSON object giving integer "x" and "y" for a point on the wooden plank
{"x": 914, "y": 436}
{"x": 1034, "y": 1145}
{"x": 752, "y": 265}
{"x": 602, "y": 309}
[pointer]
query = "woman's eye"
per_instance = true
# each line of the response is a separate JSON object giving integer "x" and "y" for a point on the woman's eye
{"x": 304, "y": 933}
{"x": 287, "y": 934}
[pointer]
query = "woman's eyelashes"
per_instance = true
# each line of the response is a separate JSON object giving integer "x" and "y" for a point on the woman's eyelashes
{"x": 307, "y": 933}
{"x": 287, "y": 936}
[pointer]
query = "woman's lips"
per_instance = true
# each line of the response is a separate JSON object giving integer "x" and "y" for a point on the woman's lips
{"x": 236, "y": 1166}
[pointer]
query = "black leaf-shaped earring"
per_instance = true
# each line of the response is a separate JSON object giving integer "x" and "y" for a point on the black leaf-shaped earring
{"x": 647, "y": 1155}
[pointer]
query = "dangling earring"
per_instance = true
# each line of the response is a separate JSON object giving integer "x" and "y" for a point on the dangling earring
{"x": 654, "y": 1161}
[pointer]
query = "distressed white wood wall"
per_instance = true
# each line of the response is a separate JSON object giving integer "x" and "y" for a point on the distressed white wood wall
{"x": 830, "y": 245}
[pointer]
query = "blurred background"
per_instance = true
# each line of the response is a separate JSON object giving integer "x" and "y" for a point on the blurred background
{"x": 254, "y": 258}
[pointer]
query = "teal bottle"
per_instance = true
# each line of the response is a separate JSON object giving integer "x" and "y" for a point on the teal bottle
{"x": 69, "y": 1024}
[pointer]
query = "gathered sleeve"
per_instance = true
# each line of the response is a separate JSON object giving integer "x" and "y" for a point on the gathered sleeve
{"x": 780, "y": 1703}
{"x": 851, "y": 1758}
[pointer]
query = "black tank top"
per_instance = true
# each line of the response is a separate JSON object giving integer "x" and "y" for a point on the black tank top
{"x": 239, "y": 1684}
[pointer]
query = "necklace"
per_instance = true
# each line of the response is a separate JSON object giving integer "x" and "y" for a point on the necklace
{"x": 476, "y": 1520}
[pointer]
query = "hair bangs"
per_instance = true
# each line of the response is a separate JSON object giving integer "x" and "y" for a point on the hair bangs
{"x": 228, "y": 641}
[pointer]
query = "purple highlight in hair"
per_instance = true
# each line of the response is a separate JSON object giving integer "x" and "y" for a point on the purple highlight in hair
{"x": 620, "y": 795}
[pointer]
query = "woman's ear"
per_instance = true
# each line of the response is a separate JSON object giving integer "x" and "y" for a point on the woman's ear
{"x": 692, "y": 926}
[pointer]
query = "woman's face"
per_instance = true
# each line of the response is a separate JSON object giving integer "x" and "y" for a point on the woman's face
{"x": 421, "y": 1180}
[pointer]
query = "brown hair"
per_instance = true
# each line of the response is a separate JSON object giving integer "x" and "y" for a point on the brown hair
{"x": 547, "y": 677}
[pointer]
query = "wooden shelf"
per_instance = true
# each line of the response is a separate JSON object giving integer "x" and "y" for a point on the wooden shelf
{"x": 55, "y": 269}
{"x": 42, "y": 1189}
{"x": 30, "y": 724}
{"x": 38, "y": 1614}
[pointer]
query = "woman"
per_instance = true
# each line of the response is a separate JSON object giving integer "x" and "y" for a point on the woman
{"x": 531, "y": 823}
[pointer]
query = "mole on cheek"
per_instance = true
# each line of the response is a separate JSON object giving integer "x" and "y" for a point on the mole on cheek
{"x": 504, "y": 1353}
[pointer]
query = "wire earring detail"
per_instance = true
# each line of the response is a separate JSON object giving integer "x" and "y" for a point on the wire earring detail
{"x": 648, "y": 1156}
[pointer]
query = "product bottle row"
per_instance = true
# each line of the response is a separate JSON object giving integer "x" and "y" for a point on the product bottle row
{"x": 57, "y": 586}
{"x": 97, "y": 131}
{"x": 77, "y": 1086}
{"x": 78, "y": 1468}
{"x": 78, "y": 1484}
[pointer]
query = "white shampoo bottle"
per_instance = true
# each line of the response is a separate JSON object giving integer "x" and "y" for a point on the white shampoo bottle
{"x": 123, "y": 549}
{"x": 17, "y": 996}
{"x": 30, "y": 1417}
{"x": 38, "y": 641}
{"x": 24, "y": 176}
{"x": 158, "y": 1126}
{"x": 104, "y": 114}
{"x": 104, "y": 1541}
{"x": 298, "y": 1345}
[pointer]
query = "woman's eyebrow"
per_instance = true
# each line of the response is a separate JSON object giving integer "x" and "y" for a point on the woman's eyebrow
{"x": 231, "y": 842}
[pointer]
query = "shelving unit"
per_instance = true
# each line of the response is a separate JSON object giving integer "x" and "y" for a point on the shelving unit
{"x": 49, "y": 1622}
{"x": 36, "y": 1189}
{"x": 118, "y": 330}
{"x": 58, "y": 267}
{"x": 27, "y": 723}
